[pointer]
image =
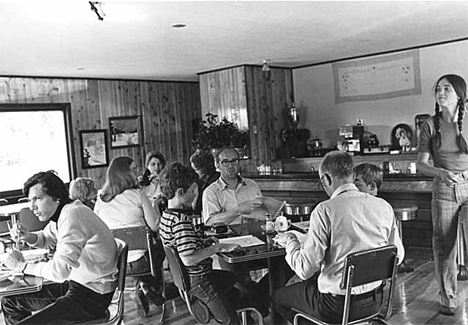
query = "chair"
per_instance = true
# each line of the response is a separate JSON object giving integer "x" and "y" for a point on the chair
{"x": 119, "y": 302}
{"x": 141, "y": 237}
{"x": 361, "y": 268}
{"x": 196, "y": 307}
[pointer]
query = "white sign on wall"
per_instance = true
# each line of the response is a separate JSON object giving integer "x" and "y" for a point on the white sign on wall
{"x": 380, "y": 77}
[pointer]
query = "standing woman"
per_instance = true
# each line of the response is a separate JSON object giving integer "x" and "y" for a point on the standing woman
{"x": 442, "y": 139}
{"x": 121, "y": 204}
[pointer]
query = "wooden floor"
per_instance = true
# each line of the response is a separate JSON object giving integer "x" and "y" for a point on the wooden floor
{"x": 415, "y": 302}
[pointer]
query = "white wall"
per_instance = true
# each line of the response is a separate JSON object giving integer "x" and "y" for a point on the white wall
{"x": 314, "y": 94}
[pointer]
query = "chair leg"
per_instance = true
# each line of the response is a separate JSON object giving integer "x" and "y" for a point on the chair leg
{"x": 243, "y": 315}
{"x": 163, "y": 293}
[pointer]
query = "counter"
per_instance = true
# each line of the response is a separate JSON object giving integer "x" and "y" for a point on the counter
{"x": 397, "y": 189}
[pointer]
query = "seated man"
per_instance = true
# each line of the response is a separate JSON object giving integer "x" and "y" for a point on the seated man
{"x": 84, "y": 266}
{"x": 369, "y": 178}
{"x": 349, "y": 221}
{"x": 214, "y": 287}
{"x": 231, "y": 198}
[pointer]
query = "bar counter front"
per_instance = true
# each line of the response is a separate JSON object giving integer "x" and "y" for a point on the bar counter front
{"x": 402, "y": 189}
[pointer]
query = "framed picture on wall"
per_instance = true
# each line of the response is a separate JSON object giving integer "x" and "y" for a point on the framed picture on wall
{"x": 125, "y": 131}
{"x": 94, "y": 148}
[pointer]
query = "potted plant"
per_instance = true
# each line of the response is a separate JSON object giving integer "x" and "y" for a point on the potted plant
{"x": 212, "y": 135}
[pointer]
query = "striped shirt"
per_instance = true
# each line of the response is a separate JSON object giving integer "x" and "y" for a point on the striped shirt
{"x": 176, "y": 230}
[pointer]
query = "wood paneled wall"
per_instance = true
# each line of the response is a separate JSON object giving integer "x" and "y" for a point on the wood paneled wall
{"x": 266, "y": 95}
{"x": 166, "y": 108}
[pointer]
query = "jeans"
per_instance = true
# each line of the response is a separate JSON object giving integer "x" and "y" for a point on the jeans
{"x": 216, "y": 290}
{"x": 445, "y": 205}
{"x": 142, "y": 265}
{"x": 306, "y": 297}
{"x": 56, "y": 303}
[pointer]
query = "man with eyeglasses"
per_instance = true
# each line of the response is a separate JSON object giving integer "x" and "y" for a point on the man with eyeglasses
{"x": 349, "y": 221}
{"x": 231, "y": 198}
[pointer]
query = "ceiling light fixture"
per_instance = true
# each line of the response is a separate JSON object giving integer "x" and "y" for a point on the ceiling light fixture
{"x": 97, "y": 8}
{"x": 265, "y": 66}
{"x": 179, "y": 25}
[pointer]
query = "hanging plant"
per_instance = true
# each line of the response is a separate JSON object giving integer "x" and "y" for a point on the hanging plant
{"x": 213, "y": 135}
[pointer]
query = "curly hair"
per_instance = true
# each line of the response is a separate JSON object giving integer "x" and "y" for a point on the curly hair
{"x": 81, "y": 188}
{"x": 175, "y": 177}
{"x": 459, "y": 85}
{"x": 52, "y": 185}
{"x": 203, "y": 160}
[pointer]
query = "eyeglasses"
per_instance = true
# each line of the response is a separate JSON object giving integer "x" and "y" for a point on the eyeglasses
{"x": 226, "y": 162}
{"x": 320, "y": 182}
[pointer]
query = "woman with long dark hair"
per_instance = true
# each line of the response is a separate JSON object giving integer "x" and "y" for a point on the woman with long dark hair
{"x": 441, "y": 138}
{"x": 121, "y": 204}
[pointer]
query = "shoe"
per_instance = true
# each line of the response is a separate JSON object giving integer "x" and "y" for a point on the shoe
{"x": 142, "y": 303}
{"x": 156, "y": 298}
{"x": 445, "y": 310}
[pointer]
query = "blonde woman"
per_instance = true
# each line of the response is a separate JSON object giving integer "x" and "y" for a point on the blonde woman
{"x": 83, "y": 189}
{"x": 121, "y": 204}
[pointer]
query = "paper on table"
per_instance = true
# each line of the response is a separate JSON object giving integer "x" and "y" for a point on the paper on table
{"x": 243, "y": 241}
{"x": 269, "y": 205}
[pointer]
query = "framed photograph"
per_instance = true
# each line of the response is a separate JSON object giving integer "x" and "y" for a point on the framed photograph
{"x": 94, "y": 148}
{"x": 125, "y": 131}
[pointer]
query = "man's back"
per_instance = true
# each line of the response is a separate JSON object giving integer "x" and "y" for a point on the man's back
{"x": 348, "y": 222}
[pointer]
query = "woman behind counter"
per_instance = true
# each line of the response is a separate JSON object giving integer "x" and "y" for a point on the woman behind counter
{"x": 122, "y": 204}
{"x": 442, "y": 139}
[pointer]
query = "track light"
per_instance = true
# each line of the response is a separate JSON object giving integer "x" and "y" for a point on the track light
{"x": 97, "y": 8}
{"x": 265, "y": 66}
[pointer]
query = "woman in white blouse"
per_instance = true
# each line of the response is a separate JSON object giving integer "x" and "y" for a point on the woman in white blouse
{"x": 121, "y": 204}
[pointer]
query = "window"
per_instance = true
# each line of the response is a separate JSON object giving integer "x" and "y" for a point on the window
{"x": 33, "y": 138}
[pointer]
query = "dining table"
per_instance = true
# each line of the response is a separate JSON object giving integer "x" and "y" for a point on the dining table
{"x": 17, "y": 284}
{"x": 257, "y": 245}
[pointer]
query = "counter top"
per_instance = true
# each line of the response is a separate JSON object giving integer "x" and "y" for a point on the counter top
{"x": 306, "y": 182}
{"x": 314, "y": 176}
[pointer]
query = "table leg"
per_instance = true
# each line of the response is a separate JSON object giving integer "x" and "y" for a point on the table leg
{"x": 277, "y": 270}
{"x": 403, "y": 267}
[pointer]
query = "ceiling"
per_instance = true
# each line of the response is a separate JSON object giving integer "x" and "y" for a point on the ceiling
{"x": 136, "y": 39}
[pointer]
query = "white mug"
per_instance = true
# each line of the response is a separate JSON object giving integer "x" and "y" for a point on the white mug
{"x": 282, "y": 223}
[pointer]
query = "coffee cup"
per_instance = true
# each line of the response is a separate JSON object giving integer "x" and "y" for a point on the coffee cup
{"x": 282, "y": 223}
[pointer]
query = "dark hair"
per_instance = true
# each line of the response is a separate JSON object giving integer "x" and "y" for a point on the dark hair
{"x": 459, "y": 85}
{"x": 221, "y": 150}
{"x": 145, "y": 178}
{"x": 175, "y": 177}
{"x": 337, "y": 164}
{"x": 370, "y": 173}
{"x": 155, "y": 154}
{"x": 203, "y": 160}
{"x": 118, "y": 178}
{"x": 52, "y": 185}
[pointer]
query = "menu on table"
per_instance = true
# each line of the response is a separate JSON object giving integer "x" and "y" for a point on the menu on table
{"x": 243, "y": 241}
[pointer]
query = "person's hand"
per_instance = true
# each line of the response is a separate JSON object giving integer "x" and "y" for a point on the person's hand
{"x": 212, "y": 240}
{"x": 18, "y": 232}
{"x": 13, "y": 259}
{"x": 247, "y": 207}
{"x": 283, "y": 238}
{"x": 226, "y": 247}
{"x": 448, "y": 177}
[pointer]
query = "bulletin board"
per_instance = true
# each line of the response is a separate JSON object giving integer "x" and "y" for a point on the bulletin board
{"x": 380, "y": 77}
